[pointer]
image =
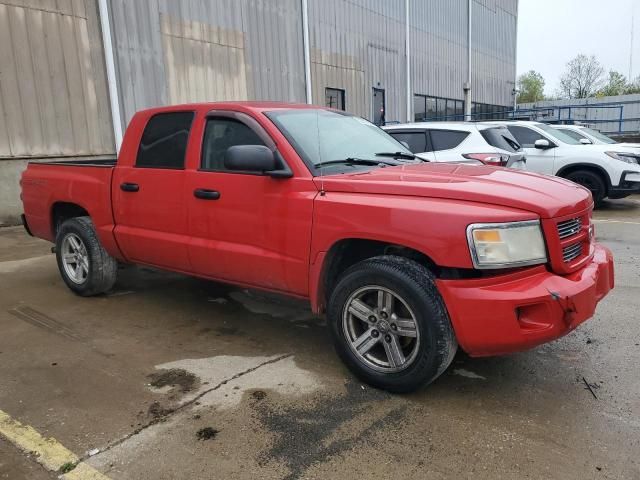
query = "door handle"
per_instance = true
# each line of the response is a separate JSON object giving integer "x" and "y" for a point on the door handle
{"x": 129, "y": 187}
{"x": 205, "y": 194}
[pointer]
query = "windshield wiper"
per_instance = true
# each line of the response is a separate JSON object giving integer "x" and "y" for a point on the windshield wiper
{"x": 356, "y": 161}
{"x": 408, "y": 156}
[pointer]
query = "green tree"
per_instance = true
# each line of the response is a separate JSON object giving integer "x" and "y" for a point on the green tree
{"x": 530, "y": 87}
{"x": 616, "y": 85}
{"x": 583, "y": 77}
{"x": 633, "y": 87}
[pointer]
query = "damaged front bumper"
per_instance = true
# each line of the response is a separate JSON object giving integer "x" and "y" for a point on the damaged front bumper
{"x": 514, "y": 312}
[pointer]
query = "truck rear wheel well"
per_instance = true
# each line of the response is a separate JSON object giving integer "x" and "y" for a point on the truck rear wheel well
{"x": 63, "y": 211}
{"x": 348, "y": 252}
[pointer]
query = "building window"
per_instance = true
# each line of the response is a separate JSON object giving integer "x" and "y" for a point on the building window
{"x": 334, "y": 98}
{"x": 419, "y": 107}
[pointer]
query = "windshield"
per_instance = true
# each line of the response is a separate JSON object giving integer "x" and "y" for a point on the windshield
{"x": 557, "y": 134}
{"x": 600, "y": 136}
{"x": 324, "y": 136}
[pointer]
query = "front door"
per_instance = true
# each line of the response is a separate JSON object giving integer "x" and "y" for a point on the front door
{"x": 538, "y": 160}
{"x": 378, "y": 107}
{"x": 149, "y": 198}
{"x": 254, "y": 229}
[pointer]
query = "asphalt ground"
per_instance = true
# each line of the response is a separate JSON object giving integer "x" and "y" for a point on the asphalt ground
{"x": 172, "y": 377}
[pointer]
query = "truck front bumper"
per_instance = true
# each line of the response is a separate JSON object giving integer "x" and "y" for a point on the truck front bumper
{"x": 514, "y": 312}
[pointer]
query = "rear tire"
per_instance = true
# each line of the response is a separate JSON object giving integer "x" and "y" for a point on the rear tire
{"x": 592, "y": 182}
{"x": 390, "y": 325}
{"x": 85, "y": 266}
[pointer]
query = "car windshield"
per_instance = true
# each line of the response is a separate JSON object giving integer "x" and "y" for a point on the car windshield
{"x": 335, "y": 139}
{"x": 600, "y": 136}
{"x": 557, "y": 134}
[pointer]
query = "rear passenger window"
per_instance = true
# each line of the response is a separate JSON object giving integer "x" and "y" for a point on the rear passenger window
{"x": 219, "y": 135}
{"x": 417, "y": 141}
{"x": 525, "y": 136}
{"x": 446, "y": 139}
{"x": 164, "y": 140}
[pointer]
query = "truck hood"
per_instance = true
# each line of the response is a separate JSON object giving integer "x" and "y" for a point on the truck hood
{"x": 546, "y": 196}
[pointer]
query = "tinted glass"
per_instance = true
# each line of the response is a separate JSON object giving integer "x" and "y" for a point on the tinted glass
{"x": 500, "y": 138}
{"x": 525, "y": 136}
{"x": 417, "y": 141}
{"x": 431, "y": 107}
{"x": 321, "y": 135}
{"x": 220, "y": 134}
{"x": 419, "y": 110}
{"x": 164, "y": 140}
{"x": 446, "y": 139}
{"x": 441, "y": 107}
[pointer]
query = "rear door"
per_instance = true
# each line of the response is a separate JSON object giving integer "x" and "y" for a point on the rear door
{"x": 149, "y": 196}
{"x": 251, "y": 228}
{"x": 444, "y": 142}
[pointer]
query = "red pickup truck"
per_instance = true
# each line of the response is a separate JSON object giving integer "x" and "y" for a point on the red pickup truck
{"x": 408, "y": 259}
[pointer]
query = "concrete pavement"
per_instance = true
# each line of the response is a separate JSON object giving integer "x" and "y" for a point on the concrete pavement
{"x": 172, "y": 377}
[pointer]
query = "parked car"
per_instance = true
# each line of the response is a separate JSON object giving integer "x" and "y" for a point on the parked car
{"x": 606, "y": 170}
{"x": 460, "y": 142}
{"x": 588, "y": 136}
{"x": 408, "y": 259}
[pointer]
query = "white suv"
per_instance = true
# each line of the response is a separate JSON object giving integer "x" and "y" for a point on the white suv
{"x": 588, "y": 136}
{"x": 607, "y": 170}
{"x": 460, "y": 142}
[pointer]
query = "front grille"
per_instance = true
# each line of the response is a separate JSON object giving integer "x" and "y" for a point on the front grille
{"x": 569, "y": 228}
{"x": 571, "y": 252}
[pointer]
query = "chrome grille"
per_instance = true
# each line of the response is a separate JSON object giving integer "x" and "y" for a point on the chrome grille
{"x": 571, "y": 252}
{"x": 569, "y": 227}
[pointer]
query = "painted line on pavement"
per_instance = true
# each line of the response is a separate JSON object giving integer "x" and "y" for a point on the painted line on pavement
{"x": 604, "y": 220}
{"x": 48, "y": 452}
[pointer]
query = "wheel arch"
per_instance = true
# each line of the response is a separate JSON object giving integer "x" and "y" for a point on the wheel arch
{"x": 347, "y": 252}
{"x": 63, "y": 211}
{"x": 566, "y": 170}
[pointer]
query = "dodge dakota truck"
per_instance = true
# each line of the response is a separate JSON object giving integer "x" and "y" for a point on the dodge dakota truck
{"x": 408, "y": 260}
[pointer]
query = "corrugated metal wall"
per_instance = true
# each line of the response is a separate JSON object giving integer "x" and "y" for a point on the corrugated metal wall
{"x": 53, "y": 95}
{"x": 357, "y": 45}
{"x": 206, "y": 50}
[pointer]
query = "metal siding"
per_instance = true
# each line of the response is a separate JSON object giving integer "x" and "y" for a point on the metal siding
{"x": 493, "y": 38}
{"x": 52, "y": 84}
{"x": 358, "y": 45}
{"x": 206, "y": 50}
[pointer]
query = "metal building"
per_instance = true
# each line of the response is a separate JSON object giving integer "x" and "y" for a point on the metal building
{"x": 73, "y": 72}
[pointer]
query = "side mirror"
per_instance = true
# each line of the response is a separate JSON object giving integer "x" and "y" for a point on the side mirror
{"x": 585, "y": 141}
{"x": 542, "y": 144}
{"x": 249, "y": 158}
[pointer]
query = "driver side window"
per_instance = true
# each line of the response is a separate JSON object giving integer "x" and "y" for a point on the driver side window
{"x": 220, "y": 134}
{"x": 525, "y": 136}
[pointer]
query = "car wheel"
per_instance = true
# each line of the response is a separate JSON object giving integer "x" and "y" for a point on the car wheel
{"x": 85, "y": 266}
{"x": 592, "y": 182}
{"x": 389, "y": 324}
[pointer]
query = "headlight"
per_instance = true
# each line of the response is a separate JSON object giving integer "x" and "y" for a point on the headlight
{"x": 504, "y": 245}
{"x": 625, "y": 157}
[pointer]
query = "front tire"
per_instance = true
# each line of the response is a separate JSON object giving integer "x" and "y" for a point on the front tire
{"x": 592, "y": 182}
{"x": 85, "y": 266}
{"x": 390, "y": 325}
